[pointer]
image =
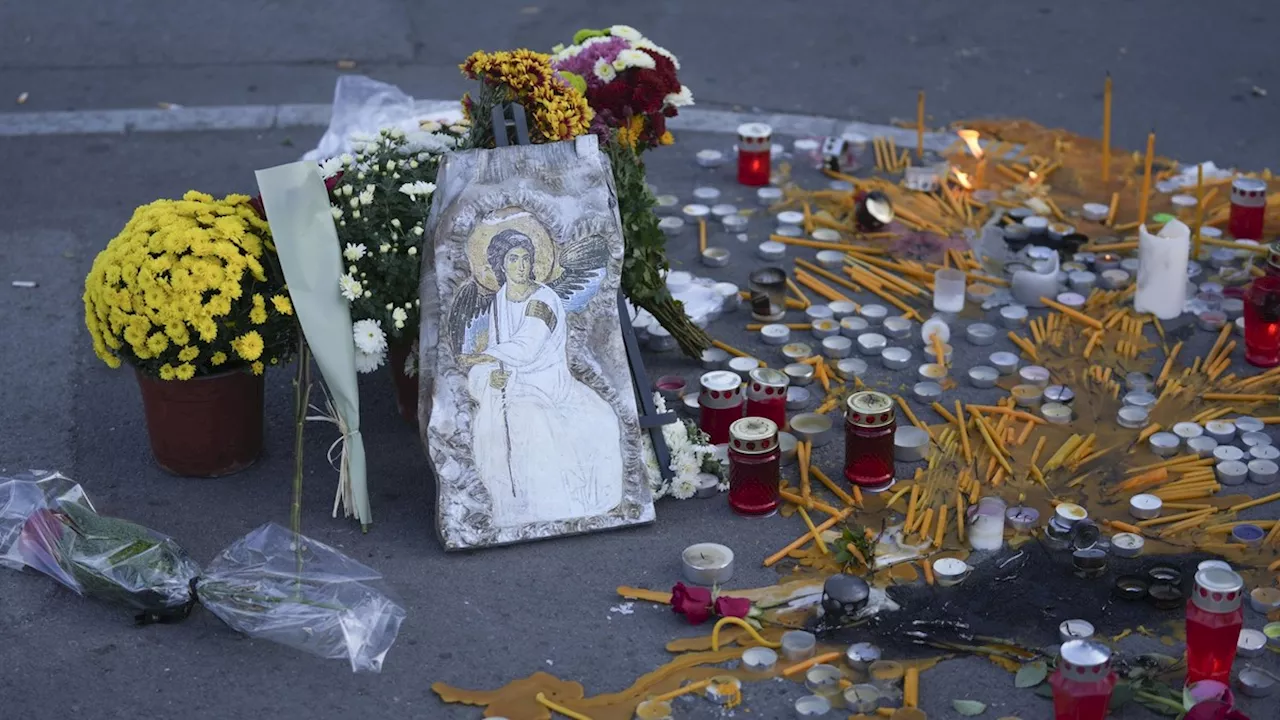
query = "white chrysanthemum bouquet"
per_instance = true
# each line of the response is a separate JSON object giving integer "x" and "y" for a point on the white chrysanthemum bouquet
{"x": 692, "y": 454}
{"x": 380, "y": 198}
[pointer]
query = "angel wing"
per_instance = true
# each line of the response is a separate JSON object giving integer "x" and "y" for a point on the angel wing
{"x": 469, "y": 318}
{"x": 583, "y": 263}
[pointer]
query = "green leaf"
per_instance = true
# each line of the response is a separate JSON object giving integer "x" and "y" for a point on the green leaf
{"x": 1045, "y": 690}
{"x": 969, "y": 708}
{"x": 1031, "y": 674}
{"x": 1122, "y": 694}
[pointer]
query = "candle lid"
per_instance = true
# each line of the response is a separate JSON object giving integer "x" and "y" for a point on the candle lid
{"x": 1084, "y": 660}
{"x": 720, "y": 389}
{"x": 1218, "y": 591}
{"x": 870, "y": 409}
{"x": 766, "y": 383}
{"x": 1248, "y": 191}
{"x": 753, "y": 435}
{"x": 757, "y": 131}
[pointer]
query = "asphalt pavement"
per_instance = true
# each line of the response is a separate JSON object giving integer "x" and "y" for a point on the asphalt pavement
{"x": 476, "y": 619}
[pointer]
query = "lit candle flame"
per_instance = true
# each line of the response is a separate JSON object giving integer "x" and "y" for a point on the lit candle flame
{"x": 970, "y": 138}
{"x": 963, "y": 178}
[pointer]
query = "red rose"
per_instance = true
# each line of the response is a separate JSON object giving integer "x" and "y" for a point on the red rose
{"x": 693, "y": 603}
{"x": 732, "y": 607}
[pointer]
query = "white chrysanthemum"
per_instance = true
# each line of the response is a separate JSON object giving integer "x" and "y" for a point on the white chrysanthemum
{"x": 399, "y": 316}
{"x": 346, "y": 160}
{"x": 336, "y": 212}
{"x": 683, "y": 488}
{"x": 350, "y": 287}
{"x": 331, "y": 167}
{"x": 635, "y": 59}
{"x": 368, "y": 362}
{"x": 604, "y": 71}
{"x": 626, "y": 32}
{"x": 354, "y": 251}
{"x": 434, "y": 143}
{"x": 418, "y": 189}
{"x": 369, "y": 336}
{"x": 680, "y": 99}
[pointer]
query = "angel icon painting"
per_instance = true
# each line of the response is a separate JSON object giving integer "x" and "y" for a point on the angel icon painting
{"x": 546, "y": 445}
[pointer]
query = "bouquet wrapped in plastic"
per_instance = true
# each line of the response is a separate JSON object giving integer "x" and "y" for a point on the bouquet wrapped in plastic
{"x": 271, "y": 584}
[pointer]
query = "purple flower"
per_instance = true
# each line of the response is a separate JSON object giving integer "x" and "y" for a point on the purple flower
{"x": 583, "y": 64}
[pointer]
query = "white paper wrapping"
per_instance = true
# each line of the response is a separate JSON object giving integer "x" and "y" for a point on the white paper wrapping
{"x": 297, "y": 207}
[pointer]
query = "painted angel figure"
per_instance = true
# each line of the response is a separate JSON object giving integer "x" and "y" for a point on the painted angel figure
{"x": 546, "y": 446}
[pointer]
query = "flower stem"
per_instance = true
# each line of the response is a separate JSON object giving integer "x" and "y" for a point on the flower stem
{"x": 302, "y": 398}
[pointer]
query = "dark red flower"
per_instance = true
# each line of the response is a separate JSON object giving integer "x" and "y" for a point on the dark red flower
{"x": 732, "y": 607}
{"x": 694, "y": 603}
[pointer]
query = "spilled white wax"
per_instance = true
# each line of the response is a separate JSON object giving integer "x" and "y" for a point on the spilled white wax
{"x": 1162, "y": 270}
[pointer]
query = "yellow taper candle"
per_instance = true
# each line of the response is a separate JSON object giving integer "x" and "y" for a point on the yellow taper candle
{"x": 1146, "y": 177}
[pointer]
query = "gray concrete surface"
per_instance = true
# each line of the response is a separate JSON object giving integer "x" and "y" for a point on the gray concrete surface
{"x": 478, "y": 619}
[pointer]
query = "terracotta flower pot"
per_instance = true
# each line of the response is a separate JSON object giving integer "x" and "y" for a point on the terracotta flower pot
{"x": 406, "y": 385}
{"x": 205, "y": 427}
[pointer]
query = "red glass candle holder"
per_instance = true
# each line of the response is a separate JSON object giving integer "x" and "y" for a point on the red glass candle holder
{"x": 755, "y": 466}
{"x": 869, "y": 425}
{"x": 767, "y": 395}
{"x": 1248, "y": 208}
{"x": 1083, "y": 681}
{"x": 1262, "y": 322}
{"x": 720, "y": 400}
{"x": 755, "y": 154}
{"x": 1215, "y": 614}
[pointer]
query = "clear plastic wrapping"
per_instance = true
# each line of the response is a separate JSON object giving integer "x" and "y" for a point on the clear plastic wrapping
{"x": 271, "y": 584}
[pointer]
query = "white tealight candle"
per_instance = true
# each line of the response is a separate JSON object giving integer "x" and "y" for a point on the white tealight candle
{"x": 707, "y": 564}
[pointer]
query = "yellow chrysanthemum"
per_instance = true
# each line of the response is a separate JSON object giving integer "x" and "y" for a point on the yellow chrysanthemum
{"x": 258, "y": 313}
{"x": 559, "y": 111}
{"x": 172, "y": 286}
{"x": 257, "y": 368}
{"x": 248, "y": 346}
{"x": 282, "y": 304}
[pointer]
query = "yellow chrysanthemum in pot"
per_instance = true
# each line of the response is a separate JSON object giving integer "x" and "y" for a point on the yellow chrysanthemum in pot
{"x": 190, "y": 288}
{"x": 190, "y": 291}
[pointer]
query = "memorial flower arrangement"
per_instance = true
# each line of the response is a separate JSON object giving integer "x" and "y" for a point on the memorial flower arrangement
{"x": 691, "y": 454}
{"x": 380, "y": 199}
{"x": 190, "y": 288}
{"x": 629, "y": 81}
{"x": 632, "y": 86}
{"x": 556, "y": 110}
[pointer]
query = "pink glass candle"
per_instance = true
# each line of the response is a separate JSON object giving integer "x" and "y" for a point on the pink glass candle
{"x": 720, "y": 399}
{"x": 869, "y": 424}
{"x": 755, "y": 471}
{"x": 755, "y": 150}
{"x": 1215, "y": 614}
{"x": 1083, "y": 681}
{"x": 1248, "y": 208}
{"x": 767, "y": 395}
{"x": 1262, "y": 322}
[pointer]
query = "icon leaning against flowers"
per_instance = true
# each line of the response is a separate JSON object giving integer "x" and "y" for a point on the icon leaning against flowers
{"x": 191, "y": 295}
